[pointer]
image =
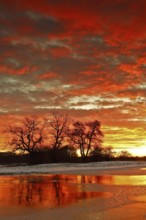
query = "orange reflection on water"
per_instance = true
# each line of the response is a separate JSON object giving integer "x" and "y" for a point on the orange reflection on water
{"x": 45, "y": 191}
{"x": 51, "y": 191}
{"x": 132, "y": 180}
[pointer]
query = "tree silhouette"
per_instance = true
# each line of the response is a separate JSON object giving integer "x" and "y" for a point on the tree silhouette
{"x": 124, "y": 154}
{"x": 108, "y": 152}
{"x": 58, "y": 125}
{"x": 97, "y": 153}
{"x": 28, "y": 136}
{"x": 86, "y": 136}
{"x": 62, "y": 138}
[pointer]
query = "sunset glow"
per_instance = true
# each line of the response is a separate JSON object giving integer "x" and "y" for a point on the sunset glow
{"x": 138, "y": 151}
{"x": 85, "y": 58}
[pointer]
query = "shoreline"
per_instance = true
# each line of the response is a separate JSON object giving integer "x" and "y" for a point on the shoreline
{"x": 109, "y": 167}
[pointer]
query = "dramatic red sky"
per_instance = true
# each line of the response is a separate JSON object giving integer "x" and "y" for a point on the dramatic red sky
{"x": 85, "y": 57}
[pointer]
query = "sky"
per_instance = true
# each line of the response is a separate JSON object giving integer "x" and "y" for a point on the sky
{"x": 83, "y": 57}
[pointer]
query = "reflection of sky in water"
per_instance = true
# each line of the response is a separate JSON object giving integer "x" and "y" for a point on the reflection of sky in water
{"x": 48, "y": 191}
{"x": 51, "y": 191}
{"x": 121, "y": 180}
{"x": 129, "y": 180}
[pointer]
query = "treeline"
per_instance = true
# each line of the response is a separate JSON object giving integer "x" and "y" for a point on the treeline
{"x": 57, "y": 138}
{"x": 45, "y": 156}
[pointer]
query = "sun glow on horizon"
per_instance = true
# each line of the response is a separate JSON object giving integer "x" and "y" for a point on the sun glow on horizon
{"x": 139, "y": 151}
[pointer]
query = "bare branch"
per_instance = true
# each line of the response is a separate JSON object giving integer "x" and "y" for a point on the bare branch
{"x": 27, "y": 137}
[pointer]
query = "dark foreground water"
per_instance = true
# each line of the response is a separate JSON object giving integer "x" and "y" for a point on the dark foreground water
{"x": 39, "y": 192}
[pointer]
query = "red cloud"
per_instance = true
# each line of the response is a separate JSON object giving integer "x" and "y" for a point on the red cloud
{"x": 49, "y": 75}
{"x": 21, "y": 71}
{"x": 60, "y": 52}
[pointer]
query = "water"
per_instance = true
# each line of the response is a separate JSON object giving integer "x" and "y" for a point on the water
{"x": 45, "y": 191}
{"x": 23, "y": 193}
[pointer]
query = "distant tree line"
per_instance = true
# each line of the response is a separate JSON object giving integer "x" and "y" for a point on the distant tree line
{"x": 57, "y": 138}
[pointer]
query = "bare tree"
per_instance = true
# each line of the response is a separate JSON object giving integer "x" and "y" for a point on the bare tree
{"x": 78, "y": 137}
{"x": 58, "y": 127}
{"x": 108, "y": 153}
{"x": 124, "y": 154}
{"x": 28, "y": 136}
{"x": 86, "y": 136}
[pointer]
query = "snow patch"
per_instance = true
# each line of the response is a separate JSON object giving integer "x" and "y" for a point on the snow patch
{"x": 60, "y": 167}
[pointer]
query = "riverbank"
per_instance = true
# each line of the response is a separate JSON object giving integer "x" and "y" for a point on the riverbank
{"x": 110, "y": 167}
